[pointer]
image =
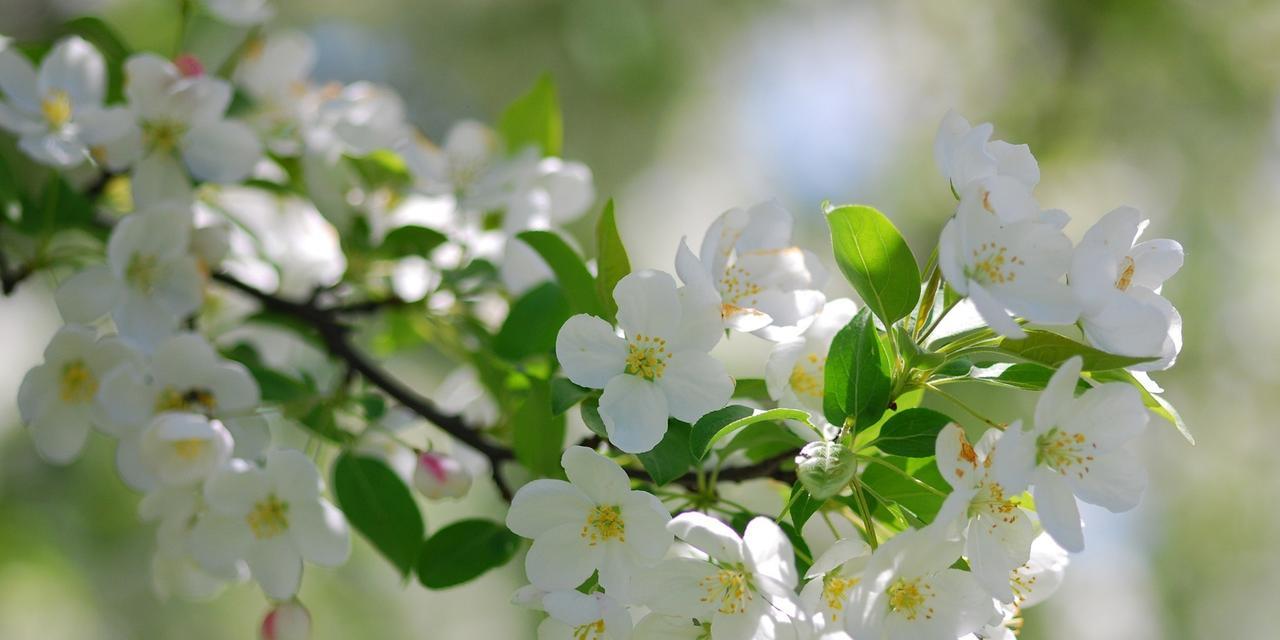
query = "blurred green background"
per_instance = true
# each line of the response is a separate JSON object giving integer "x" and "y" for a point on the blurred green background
{"x": 684, "y": 109}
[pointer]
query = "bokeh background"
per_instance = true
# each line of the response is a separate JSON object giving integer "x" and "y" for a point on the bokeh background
{"x": 684, "y": 109}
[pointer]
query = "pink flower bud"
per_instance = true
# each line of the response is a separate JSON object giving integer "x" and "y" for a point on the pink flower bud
{"x": 188, "y": 65}
{"x": 288, "y": 621}
{"x": 439, "y": 476}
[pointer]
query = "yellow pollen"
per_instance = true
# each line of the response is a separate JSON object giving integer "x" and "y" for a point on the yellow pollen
{"x": 729, "y": 589}
{"x": 189, "y": 448}
{"x": 194, "y": 400}
{"x": 992, "y": 265}
{"x": 737, "y": 288}
{"x": 56, "y": 108}
{"x": 268, "y": 518}
{"x": 647, "y": 357}
{"x": 589, "y": 631}
{"x": 910, "y": 598}
{"x": 990, "y": 500}
{"x": 77, "y": 385}
{"x": 807, "y": 376}
{"x": 1065, "y": 452}
{"x": 604, "y": 523}
{"x": 834, "y": 588}
{"x": 1126, "y": 275}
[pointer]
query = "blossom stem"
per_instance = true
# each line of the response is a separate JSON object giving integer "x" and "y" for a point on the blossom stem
{"x": 867, "y": 523}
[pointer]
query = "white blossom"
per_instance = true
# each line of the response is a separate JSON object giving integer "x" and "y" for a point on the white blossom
{"x": 275, "y": 71}
{"x": 584, "y": 616}
{"x": 658, "y": 368}
{"x": 827, "y": 595}
{"x": 965, "y": 153}
{"x": 44, "y": 107}
{"x": 1077, "y": 447}
{"x": 1118, "y": 280}
{"x": 592, "y": 522}
{"x": 796, "y": 369}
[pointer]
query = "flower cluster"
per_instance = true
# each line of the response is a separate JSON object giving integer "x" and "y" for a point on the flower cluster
{"x": 254, "y": 236}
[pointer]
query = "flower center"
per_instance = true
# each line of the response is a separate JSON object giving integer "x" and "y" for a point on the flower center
{"x": 141, "y": 271}
{"x": 993, "y": 265}
{"x": 1126, "y": 275}
{"x": 77, "y": 385}
{"x": 194, "y": 400}
{"x": 189, "y": 448}
{"x": 910, "y": 598}
{"x": 990, "y": 499}
{"x": 736, "y": 284}
{"x": 268, "y": 518}
{"x": 730, "y": 589}
{"x": 162, "y": 136}
{"x": 647, "y": 357}
{"x": 1060, "y": 451}
{"x": 56, "y": 108}
{"x": 589, "y": 631}
{"x": 807, "y": 376}
{"x": 604, "y": 523}
{"x": 834, "y": 588}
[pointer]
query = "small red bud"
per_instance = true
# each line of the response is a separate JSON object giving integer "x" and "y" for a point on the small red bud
{"x": 188, "y": 65}
{"x": 287, "y": 621}
{"x": 439, "y": 476}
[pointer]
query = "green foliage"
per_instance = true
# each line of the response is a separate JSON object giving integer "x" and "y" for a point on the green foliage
{"x": 715, "y": 425}
{"x": 533, "y": 322}
{"x": 856, "y": 377}
{"x": 876, "y": 261}
{"x": 1028, "y": 376}
{"x": 534, "y": 119}
{"x": 912, "y": 433}
{"x": 379, "y": 506}
{"x": 590, "y": 411}
{"x": 565, "y": 394}
{"x": 410, "y": 240}
{"x": 902, "y": 486}
{"x": 382, "y": 168}
{"x": 671, "y": 458}
{"x": 463, "y": 551}
{"x": 538, "y": 437}
{"x": 801, "y": 506}
{"x": 1052, "y": 349}
{"x": 570, "y": 271}
{"x": 612, "y": 263}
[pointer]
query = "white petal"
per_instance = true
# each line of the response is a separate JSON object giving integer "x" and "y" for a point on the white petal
{"x": 545, "y": 504}
{"x": 634, "y": 412}
{"x": 234, "y": 489}
{"x": 712, "y": 536}
{"x": 769, "y": 551}
{"x": 1114, "y": 481}
{"x": 320, "y": 532}
{"x": 54, "y": 149}
{"x": 1109, "y": 415}
{"x": 87, "y": 295}
{"x": 76, "y": 68}
{"x": 276, "y": 566}
{"x": 1015, "y": 161}
{"x": 293, "y": 475}
{"x": 781, "y": 364}
{"x": 994, "y": 313}
{"x": 1058, "y": 397}
{"x": 18, "y": 79}
{"x": 1015, "y": 459}
{"x": 957, "y": 460}
{"x": 234, "y": 387}
{"x": 673, "y": 588}
{"x": 1155, "y": 261}
{"x": 837, "y": 554}
{"x": 222, "y": 151}
{"x": 695, "y": 384}
{"x": 38, "y": 389}
{"x": 134, "y": 469}
{"x": 1058, "y": 511}
{"x": 647, "y": 304}
{"x": 159, "y": 178}
{"x": 1124, "y": 325}
{"x": 595, "y": 475}
{"x": 589, "y": 351}
{"x": 148, "y": 78}
{"x": 646, "y": 522}
{"x": 179, "y": 287}
{"x": 60, "y": 432}
{"x": 701, "y": 325}
{"x": 561, "y": 558}
{"x": 218, "y": 541}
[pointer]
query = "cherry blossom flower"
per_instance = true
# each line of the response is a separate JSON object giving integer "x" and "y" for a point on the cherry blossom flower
{"x": 272, "y": 517}
{"x": 44, "y": 108}
{"x": 965, "y": 153}
{"x": 592, "y": 522}
{"x": 56, "y": 398}
{"x": 659, "y": 368}
{"x": 766, "y": 284}
{"x": 584, "y": 616}
{"x": 1118, "y": 280}
{"x": 1077, "y": 447}
{"x": 796, "y": 369}
{"x": 829, "y": 590}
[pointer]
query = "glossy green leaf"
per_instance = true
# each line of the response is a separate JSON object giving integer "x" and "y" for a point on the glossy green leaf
{"x": 612, "y": 263}
{"x": 379, "y": 505}
{"x": 565, "y": 394}
{"x": 533, "y": 322}
{"x": 534, "y": 119}
{"x": 463, "y": 551}
{"x": 570, "y": 271}
{"x": 1028, "y": 376}
{"x": 856, "y": 375}
{"x": 876, "y": 261}
{"x": 1052, "y": 349}
{"x": 912, "y": 433}
{"x": 590, "y": 411}
{"x": 410, "y": 240}
{"x": 538, "y": 437}
{"x": 897, "y": 488}
{"x": 802, "y": 506}
{"x": 715, "y": 425}
{"x": 671, "y": 458}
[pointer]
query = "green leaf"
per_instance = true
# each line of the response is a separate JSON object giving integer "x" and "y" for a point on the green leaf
{"x": 1157, "y": 404}
{"x": 896, "y": 488}
{"x": 410, "y": 240}
{"x": 1028, "y": 376}
{"x": 463, "y": 551}
{"x": 876, "y": 261}
{"x": 1048, "y": 348}
{"x": 671, "y": 458}
{"x": 379, "y": 505}
{"x": 382, "y": 168}
{"x": 912, "y": 433}
{"x": 802, "y": 506}
{"x": 590, "y": 410}
{"x": 761, "y": 441}
{"x": 533, "y": 322}
{"x": 319, "y": 419}
{"x": 752, "y": 389}
{"x": 539, "y": 434}
{"x": 856, "y": 380}
{"x": 565, "y": 394}
{"x": 722, "y": 422}
{"x": 569, "y": 269}
{"x": 611, "y": 261}
{"x": 534, "y": 119}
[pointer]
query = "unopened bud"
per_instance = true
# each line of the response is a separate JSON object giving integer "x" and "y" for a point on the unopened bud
{"x": 825, "y": 468}
{"x": 439, "y": 476}
{"x": 287, "y": 621}
{"x": 188, "y": 65}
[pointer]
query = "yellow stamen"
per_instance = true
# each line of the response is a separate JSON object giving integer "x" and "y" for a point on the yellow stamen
{"x": 604, "y": 523}
{"x": 194, "y": 400}
{"x": 807, "y": 376}
{"x": 1065, "y": 452}
{"x": 268, "y": 518}
{"x": 834, "y": 588}
{"x": 589, "y": 631}
{"x": 647, "y": 357}
{"x": 78, "y": 384}
{"x": 910, "y": 598}
{"x": 730, "y": 588}
{"x": 1126, "y": 275}
{"x": 993, "y": 265}
{"x": 56, "y": 108}
{"x": 189, "y": 448}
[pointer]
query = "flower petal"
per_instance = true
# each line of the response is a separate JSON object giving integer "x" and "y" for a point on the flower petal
{"x": 647, "y": 304}
{"x": 60, "y": 432}
{"x": 561, "y": 558}
{"x": 293, "y": 475}
{"x": 1057, "y": 508}
{"x": 545, "y": 504}
{"x": 769, "y": 551}
{"x": 634, "y": 412}
{"x": 87, "y": 295}
{"x": 646, "y": 521}
{"x": 276, "y": 566}
{"x": 712, "y": 536}
{"x": 595, "y": 475}
{"x": 694, "y": 384}
{"x": 590, "y": 352}
{"x": 222, "y": 151}
{"x": 73, "y": 66}
{"x": 320, "y": 532}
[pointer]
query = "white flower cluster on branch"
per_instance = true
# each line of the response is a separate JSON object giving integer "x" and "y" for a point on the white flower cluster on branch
{"x": 236, "y": 248}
